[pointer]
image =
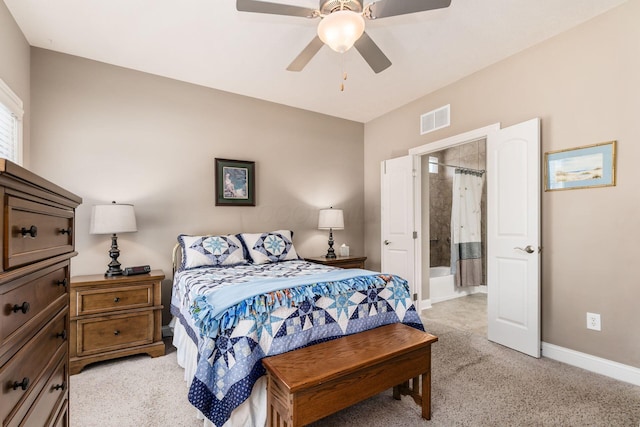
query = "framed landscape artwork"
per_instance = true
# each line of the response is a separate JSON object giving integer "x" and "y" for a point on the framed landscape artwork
{"x": 582, "y": 167}
{"x": 235, "y": 183}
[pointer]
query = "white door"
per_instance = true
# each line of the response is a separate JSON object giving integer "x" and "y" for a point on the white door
{"x": 513, "y": 237}
{"x": 398, "y": 250}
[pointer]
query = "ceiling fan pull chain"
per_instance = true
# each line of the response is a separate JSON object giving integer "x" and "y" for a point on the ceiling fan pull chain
{"x": 343, "y": 74}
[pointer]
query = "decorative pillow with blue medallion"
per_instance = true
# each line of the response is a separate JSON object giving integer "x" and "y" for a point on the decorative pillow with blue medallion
{"x": 211, "y": 251}
{"x": 269, "y": 247}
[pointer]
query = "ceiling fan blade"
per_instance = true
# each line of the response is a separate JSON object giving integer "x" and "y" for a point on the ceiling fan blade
{"x": 383, "y": 9}
{"x": 274, "y": 8}
{"x": 305, "y": 56}
{"x": 371, "y": 53}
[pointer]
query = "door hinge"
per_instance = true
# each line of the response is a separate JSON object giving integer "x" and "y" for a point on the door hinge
{"x": 415, "y": 234}
{"x": 415, "y": 297}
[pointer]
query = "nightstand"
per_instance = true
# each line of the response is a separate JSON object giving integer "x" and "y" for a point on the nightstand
{"x": 114, "y": 316}
{"x": 341, "y": 261}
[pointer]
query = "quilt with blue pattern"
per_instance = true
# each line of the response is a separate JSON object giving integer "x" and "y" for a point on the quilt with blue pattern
{"x": 238, "y": 315}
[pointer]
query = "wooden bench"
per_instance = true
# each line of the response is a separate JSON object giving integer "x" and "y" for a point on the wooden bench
{"x": 310, "y": 383}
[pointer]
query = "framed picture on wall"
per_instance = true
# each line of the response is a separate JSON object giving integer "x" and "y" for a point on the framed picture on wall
{"x": 235, "y": 183}
{"x": 582, "y": 167}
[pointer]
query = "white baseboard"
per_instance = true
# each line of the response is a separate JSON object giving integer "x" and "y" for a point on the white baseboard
{"x": 591, "y": 363}
{"x": 425, "y": 304}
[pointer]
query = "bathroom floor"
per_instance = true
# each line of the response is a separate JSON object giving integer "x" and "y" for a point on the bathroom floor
{"x": 467, "y": 313}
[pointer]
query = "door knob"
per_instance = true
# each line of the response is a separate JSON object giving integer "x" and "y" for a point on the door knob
{"x": 528, "y": 249}
{"x": 386, "y": 242}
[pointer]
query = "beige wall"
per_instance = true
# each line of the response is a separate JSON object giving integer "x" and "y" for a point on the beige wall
{"x": 108, "y": 133}
{"x": 15, "y": 68}
{"x": 585, "y": 86}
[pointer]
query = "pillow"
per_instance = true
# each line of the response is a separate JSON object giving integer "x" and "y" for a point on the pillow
{"x": 275, "y": 246}
{"x": 211, "y": 251}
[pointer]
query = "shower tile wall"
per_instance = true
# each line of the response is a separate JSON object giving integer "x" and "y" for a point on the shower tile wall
{"x": 471, "y": 155}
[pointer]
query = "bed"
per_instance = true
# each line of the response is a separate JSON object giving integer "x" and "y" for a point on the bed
{"x": 239, "y": 298}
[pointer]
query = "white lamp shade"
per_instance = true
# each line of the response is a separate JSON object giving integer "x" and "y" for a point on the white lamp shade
{"x": 340, "y": 30}
{"x": 331, "y": 219}
{"x": 112, "y": 219}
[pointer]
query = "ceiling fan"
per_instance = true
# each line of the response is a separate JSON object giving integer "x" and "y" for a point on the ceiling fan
{"x": 342, "y": 24}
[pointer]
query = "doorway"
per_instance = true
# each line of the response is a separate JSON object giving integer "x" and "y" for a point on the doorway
{"x": 422, "y": 197}
{"x": 440, "y": 171}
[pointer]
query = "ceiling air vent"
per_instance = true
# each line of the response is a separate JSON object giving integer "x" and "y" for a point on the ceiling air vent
{"x": 436, "y": 119}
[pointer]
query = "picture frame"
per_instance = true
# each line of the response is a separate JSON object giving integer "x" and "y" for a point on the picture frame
{"x": 235, "y": 182}
{"x": 588, "y": 166}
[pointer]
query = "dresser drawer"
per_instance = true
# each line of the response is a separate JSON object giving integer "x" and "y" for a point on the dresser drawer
{"x": 109, "y": 299}
{"x": 62, "y": 419}
{"x": 35, "y": 231}
{"x": 25, "y": 374}
{"x": 43, "y": 411}
{"x": 28, "y": 302}
{"x": 114, "y": 332}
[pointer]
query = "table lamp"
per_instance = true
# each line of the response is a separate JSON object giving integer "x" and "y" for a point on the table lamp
{"x": 112, "y": 219}
{"x": 330, "y": 219}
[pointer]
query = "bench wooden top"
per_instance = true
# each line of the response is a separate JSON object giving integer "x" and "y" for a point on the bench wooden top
{"x": 309, "y": 366}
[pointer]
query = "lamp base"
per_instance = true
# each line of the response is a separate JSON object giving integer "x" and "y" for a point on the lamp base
{"x": 331, "y": 253}
{"x": 114, "y": 266}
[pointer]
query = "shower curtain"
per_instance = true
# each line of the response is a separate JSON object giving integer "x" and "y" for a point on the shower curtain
{"x": 466, "y": 236}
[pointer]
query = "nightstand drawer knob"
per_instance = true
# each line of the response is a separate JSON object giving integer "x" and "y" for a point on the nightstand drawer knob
{"x": 23, "y": 308}
{"x": 62, "y": 282}
{"x": 23, "y": 385}
{"x": 116, "y": 332}
{"x": 116, "y": 299}
{"x": 31, "y": 231}
{"x": 62, "y": 334}
{"x": 60, "y": 386}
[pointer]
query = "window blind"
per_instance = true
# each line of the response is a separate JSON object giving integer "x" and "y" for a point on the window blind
{"x": 11, "y": 113}
{"x": 8, "y": 134}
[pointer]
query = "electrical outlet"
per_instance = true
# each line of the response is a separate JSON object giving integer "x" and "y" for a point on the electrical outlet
{"x": 593, "y": 321}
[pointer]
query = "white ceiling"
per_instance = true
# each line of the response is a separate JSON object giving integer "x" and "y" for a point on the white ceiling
{"x": 207, "y": 42}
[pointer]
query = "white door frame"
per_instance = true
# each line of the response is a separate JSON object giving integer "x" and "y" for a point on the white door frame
{"x": 417, "y": 153}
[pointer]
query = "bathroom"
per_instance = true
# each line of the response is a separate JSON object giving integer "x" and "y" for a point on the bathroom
{"x": 438, "y": 169}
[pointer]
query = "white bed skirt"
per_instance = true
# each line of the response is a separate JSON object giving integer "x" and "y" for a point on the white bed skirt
{"x": 253, "y": 412}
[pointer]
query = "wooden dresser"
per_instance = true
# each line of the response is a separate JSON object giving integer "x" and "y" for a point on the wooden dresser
{"x": 114, "y": 317}
{"x": 37, "y": 244}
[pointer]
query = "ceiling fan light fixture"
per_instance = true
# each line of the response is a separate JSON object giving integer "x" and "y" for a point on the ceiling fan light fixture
{"x": 340, "y": 30}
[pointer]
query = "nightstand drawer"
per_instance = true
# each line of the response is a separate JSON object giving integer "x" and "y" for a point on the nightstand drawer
{"x": 101, "y": 300}
{"x": 114, "y": 332}
{"x": 35, "y": 231}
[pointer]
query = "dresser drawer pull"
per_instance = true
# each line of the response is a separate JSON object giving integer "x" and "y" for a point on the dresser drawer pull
{"x": 31, "y": 231}
{"x": 23, "y": 385}
{"x": 66, "y": 231}
{"x": 62, "y": 334}
{"x": 24, "y": 307}
{"x": 116, "y": 299}
{"x": 62, "y": 386}
{"x": 116, "y": 332}
{"x": 62, "y": 282}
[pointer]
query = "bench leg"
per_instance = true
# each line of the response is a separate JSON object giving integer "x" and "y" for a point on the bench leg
{"x": 426, "y": 395}
{"x": 399, "y": 389}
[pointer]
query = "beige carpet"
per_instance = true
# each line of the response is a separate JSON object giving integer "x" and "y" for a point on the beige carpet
{"x": 475, "y": 383}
